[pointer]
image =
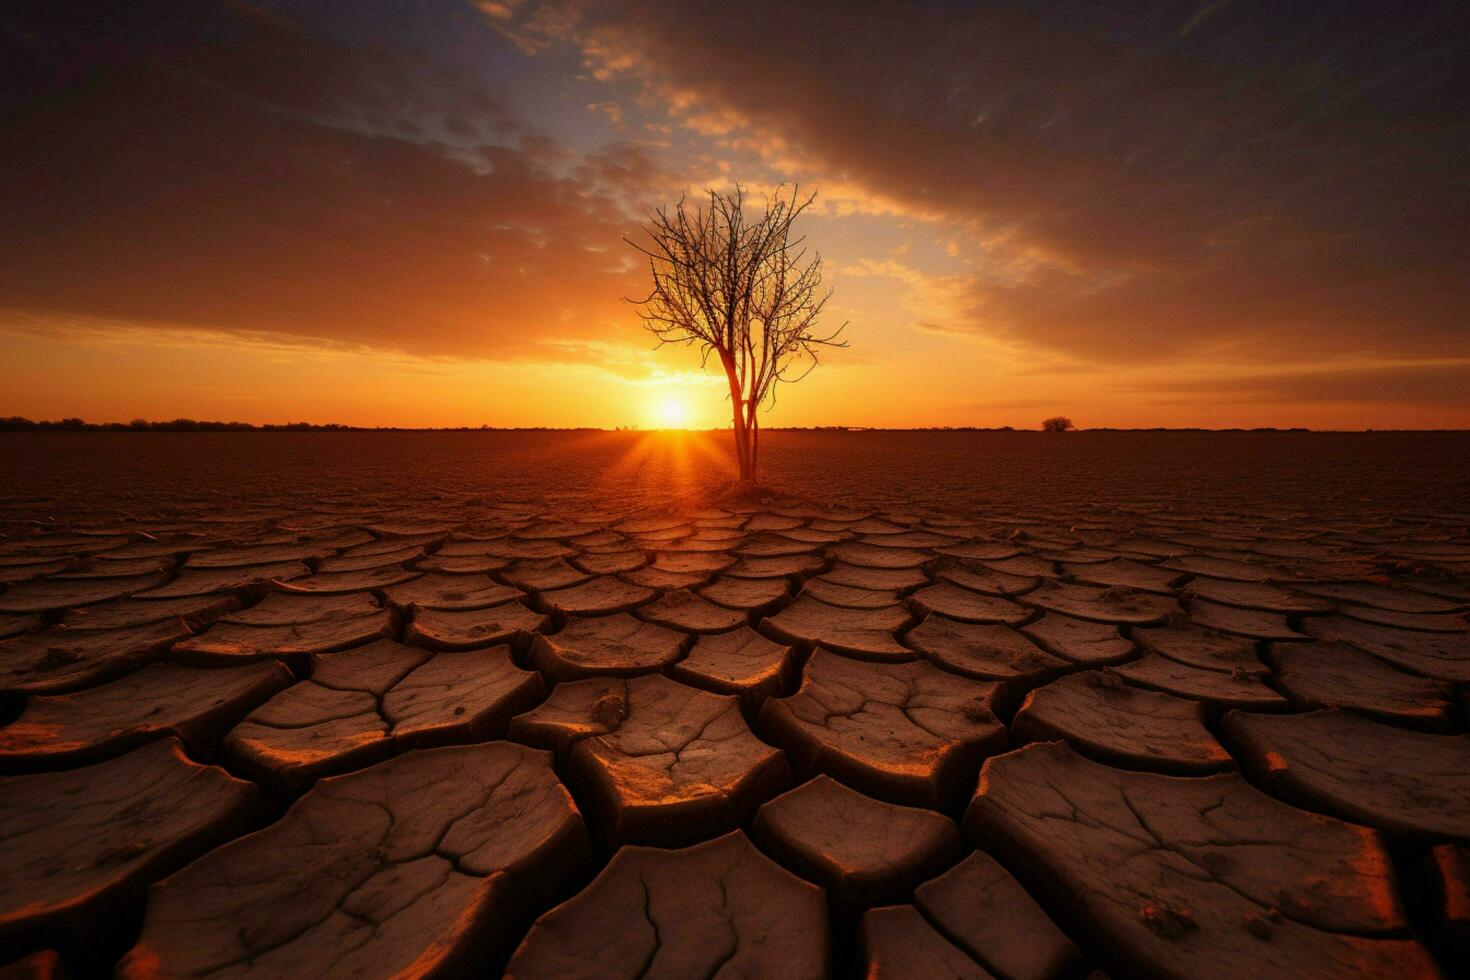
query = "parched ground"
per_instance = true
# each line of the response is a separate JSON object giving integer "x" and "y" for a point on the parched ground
{"x": 947, "y": 705}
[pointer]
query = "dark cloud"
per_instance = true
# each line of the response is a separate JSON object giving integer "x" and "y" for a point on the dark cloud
{"x": 209, "y": 165}
{"x": 626, "y": 169}
{"x": 1246, "y": 180}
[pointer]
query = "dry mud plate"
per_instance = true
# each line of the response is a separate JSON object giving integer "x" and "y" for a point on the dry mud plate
{"x": 448, "y": 734}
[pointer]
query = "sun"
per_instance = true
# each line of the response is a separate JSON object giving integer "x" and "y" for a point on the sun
{"x": 672, "y": 413}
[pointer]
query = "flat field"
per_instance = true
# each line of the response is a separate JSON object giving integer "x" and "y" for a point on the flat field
{"x": 89, "y": 474}
{"x": 937, "y": 704}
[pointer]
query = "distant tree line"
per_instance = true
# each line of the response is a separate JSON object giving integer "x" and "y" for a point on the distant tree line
{"x": 17, "y": 423}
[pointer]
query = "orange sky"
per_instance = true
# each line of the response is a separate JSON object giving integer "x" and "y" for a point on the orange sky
{"x": 411, "y": 215}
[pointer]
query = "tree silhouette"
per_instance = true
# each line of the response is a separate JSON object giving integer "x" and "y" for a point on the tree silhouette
{"x": 742, "y": 289}
{"x": 1059, "y": 423}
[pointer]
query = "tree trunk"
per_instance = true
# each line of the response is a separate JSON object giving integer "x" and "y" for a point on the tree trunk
{"x": 742, "y": 444}
{"x": 742, "y": 434}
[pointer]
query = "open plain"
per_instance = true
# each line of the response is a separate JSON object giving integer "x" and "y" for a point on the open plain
{"x": 939, "y": 704}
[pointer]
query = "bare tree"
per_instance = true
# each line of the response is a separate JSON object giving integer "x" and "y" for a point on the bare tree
{"x": 1059, "y": 423}
{"x": 741, "y": 289}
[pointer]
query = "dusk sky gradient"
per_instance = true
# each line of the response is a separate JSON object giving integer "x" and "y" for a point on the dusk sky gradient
{"x": 411, "y": 212}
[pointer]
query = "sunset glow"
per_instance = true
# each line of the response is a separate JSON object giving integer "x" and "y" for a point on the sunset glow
{"x": 673, "y": 414}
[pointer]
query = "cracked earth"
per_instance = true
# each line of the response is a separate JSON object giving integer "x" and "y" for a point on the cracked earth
{"x": 790, "y": 736}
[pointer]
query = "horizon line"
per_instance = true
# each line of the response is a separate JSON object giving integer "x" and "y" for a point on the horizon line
{"x": 16, "y": 423}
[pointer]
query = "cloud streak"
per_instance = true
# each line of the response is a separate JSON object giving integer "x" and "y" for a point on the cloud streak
{"x": 1438, "y": 384}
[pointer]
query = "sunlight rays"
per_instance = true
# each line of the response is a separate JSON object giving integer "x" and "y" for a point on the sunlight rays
{"x": 673, "y": 464}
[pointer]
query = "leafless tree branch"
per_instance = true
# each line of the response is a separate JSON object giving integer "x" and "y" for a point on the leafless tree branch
{"x": 741, "y": 289}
